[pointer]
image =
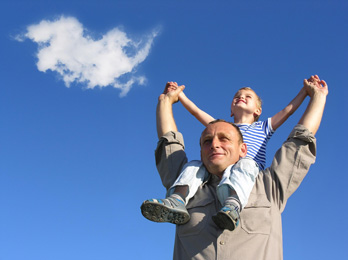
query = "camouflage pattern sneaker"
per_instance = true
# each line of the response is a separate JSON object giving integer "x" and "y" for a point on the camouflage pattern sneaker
{"x": 165, "y": 210}
{"x": 227, "y": 217}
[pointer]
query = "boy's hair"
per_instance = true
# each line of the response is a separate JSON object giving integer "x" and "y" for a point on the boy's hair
{"x": 259, "y": 100}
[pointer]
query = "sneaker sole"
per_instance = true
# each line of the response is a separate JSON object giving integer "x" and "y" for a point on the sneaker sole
{"x": 161, "y": 213}
{"x": 224, "y": 221}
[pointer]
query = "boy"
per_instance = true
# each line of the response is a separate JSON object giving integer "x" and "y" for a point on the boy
{"x": 238, "y": 179}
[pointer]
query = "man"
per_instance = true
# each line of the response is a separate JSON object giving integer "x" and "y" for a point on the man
{"x": 259, "y": 235}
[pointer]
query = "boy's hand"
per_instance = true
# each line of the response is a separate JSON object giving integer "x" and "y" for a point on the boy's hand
{"x": 315, "y": 85}
{"x": 172, "y": 91}
{"x": 170, "y": 86}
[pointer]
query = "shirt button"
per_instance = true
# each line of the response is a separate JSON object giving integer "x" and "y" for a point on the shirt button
{"x": 222, "y": 243}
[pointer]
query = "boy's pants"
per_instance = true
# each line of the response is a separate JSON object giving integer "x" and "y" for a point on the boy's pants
{"x": 239, "y": 177}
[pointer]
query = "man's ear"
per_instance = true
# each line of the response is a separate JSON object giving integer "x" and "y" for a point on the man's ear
{"x": 243, "y": 150}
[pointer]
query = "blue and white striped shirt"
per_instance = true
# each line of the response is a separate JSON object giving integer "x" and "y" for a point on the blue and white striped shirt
{"x": 256, "y": 137}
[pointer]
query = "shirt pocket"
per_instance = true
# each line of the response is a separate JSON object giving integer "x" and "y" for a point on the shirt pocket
{"x": 200, "y": 213}
{"x": 256, "y": 216}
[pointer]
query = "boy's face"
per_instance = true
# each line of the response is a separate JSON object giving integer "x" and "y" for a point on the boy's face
{"x": 247, "y": 101}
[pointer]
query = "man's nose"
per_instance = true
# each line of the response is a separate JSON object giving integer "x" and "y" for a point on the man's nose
{"x": 215, "y": 143}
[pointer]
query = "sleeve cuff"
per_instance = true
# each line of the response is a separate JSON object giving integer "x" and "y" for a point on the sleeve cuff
{"x": 172, "y": 137}
{"x": 302, "y": 133}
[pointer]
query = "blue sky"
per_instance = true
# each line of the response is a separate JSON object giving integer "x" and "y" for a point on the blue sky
{"x": 77, "y": 161}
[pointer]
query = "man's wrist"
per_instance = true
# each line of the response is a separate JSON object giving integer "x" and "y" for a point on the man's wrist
{"x": 166, "y": 99}
{"x": 319, "y": 95}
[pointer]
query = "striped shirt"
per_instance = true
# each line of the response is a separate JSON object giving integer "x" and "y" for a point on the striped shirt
{"x": 256, "y": 137}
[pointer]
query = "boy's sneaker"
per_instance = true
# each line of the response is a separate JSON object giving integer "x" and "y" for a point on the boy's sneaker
{"x": 227, "y": 217}
{"x": 165, "y": 210}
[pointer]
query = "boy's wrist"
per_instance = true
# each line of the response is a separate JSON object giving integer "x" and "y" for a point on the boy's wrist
{"x": 182, "y": 96}
{"x": 304, "y": 90}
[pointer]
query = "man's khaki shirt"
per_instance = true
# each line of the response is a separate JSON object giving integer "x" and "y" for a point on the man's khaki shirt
{"x": 259, "y": 235}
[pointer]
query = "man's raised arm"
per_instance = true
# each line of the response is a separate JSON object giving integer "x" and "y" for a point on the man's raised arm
{"x": 291, "y": 164}
{"x": 164, "y": 114}
{"x": 317, "y": 89}
{"x": 169, "y": 169}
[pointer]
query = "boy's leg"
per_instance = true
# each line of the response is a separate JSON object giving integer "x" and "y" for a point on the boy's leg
{"x": 188, "y": 182}
{"x": 172, "y": 209}
{"x": 180, "y": 192}
{"x": 234, "y": 191}
{"x": 241, "y": 178}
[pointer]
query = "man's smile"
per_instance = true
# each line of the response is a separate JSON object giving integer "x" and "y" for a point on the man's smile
{"x": 216, "y": 154}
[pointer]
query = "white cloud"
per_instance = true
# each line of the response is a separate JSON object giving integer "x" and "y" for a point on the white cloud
{"x": 66, "y": 48}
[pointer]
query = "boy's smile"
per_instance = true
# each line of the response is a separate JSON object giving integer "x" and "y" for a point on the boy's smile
{"x": 240, "y": 101}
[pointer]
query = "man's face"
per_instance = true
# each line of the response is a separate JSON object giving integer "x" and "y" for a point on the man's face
{"x": 220, "y": 147}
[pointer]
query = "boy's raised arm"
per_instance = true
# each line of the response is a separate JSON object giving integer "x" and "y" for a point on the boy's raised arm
{"x": 279, "y": 118}
{"x": 202, "y": 116}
